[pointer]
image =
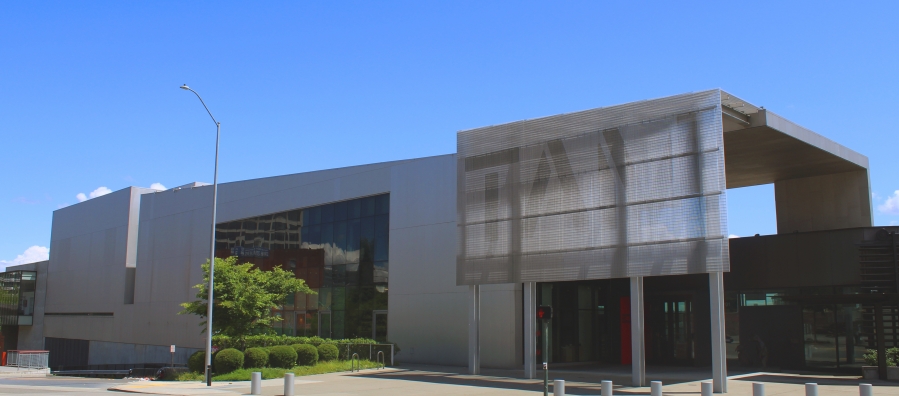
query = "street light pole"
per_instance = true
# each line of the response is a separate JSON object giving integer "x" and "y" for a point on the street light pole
{"x": 215, "y": 191}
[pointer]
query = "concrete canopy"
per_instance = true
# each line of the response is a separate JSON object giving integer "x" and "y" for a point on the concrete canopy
{"x": 819, "y": 184}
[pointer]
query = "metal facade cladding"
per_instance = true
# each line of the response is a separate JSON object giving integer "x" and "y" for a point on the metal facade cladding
{"x": 629, "y": 190}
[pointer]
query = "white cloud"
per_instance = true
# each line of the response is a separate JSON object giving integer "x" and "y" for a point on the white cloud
{"x": 158, "y": 186}
{"x": 733, "y": 236}
{"x": 891, "y": 205}
{"x": 100, "y": 191}
{"x": 32, "y": 254}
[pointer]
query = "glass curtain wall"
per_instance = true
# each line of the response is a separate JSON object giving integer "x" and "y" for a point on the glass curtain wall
{"x": 831, "y": 333}
{"x": 339, "y": 249}
{"x": 17, "y": 297}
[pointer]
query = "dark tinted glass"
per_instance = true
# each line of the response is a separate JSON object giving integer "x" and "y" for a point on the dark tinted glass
{"x": 264, "y": 223}
{"x": 340, "y": 242}
{"x": 327, "y": 213}
{"x": 368, "y": 206}
{"x": 338, "y": 300}
{"x": 327, "y": 239}
{"x": 279, "y": 221}
{"x": 338, "y": 324}
{"x": 351, "y": 237}
{"x": 340, "y": 211}
{"x": 379, "y": 275}
{"x": 367, "y": 240}
{"x": 354, "y": 228}
{"x": 381, "y": 237}
{"x": 338, "y": 275}
{"x": 312, "y": 216}
{"x": 354, "y": 209}
{"x": 382, "y": 204}
{"x": 293, "y": 220}
{"x": 352, "y": 274}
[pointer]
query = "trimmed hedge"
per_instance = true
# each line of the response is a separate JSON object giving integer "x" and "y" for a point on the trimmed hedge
{"x": 307, "y": 354}
{"x": 266, "y": 340}
{"x": 255, "y": 358}
{"x": 228, "y": 360}
{"x": 327, "y": 352}
{"x": 282, "y": 356}
{"x": 197, "y": 362}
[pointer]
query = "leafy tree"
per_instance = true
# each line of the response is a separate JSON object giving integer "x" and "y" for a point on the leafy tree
{"x": 244, "y": 297}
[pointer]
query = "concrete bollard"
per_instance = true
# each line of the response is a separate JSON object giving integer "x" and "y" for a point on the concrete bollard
{"x": 256, "y": 383}
{"x": 865, "y": 390}
{"x": 706, "y": 388}
{"x": 655, "y": 388}
{"x": 558, "y": 387}
{"x": 288, "y": 384}
{"x": 607, "y": 388}
{"x": 758, "y": 389}
{"x": 811, "y": 389}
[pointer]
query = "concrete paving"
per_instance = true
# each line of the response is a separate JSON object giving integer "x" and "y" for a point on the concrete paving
{"x": 430, "y": 381}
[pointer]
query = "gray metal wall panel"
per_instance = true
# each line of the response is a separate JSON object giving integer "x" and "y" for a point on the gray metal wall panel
{"x": 630, "y": 190}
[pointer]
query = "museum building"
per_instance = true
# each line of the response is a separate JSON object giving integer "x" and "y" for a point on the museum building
{"x": 615, "y": 216}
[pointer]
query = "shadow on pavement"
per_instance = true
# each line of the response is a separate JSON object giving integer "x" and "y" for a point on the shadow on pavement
{"x": 481, "y": 381}
{"x": 820, "y": 380}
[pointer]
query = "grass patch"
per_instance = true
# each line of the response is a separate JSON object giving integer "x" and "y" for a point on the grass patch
{"x": 270, "y": 373}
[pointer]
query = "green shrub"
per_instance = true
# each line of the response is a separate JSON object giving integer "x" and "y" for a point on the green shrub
{"x": 228, "y": 360}
{"x": 892, "y": 357}
{"x": 197, "y": 362}
{"x": 255, "y": 358}
{"x": 327, "y": 352}
{"x": 307, "y": 354}
{"x": 282, "y": 356}
{"x": 266, "y": 340}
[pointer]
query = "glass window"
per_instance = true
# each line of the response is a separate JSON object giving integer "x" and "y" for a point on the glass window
{"x": 312, "y": 301}
{"x": 338, "y": 275}
{"x": 368, "y": 206}
{"x": 367, "y": 240}
{"x": 354, "y": 228}
{"x": 325, "y": 298}
{"x": 311, "y": 216}
{"x": 264, "y": 223}
{"x": 382, "y": 204}
{"x": 381, "y": 235}
{"x": 343, "y": 255}
{"x": 340, "y": 211}
{"x": 380, "y": 272}
{"x": 340, "y": 242}
{"x": 338, "y": 324}
{"x": 327, "y": 239}
{"x": 293, "y": 220}
{"x": 354, "y": 209}
{"x": 327, "y": 213}
{"x": 352, "y": 274}
{"x": 338, "y": 299}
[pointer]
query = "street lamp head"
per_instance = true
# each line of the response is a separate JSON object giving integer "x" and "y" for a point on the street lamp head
{"x": 185, "y": 87}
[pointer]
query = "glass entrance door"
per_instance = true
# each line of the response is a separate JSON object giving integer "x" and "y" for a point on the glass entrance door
{"x": 671, "y": 328}
{"x": 379, "y": 325}
{"x": 324, "y": 324}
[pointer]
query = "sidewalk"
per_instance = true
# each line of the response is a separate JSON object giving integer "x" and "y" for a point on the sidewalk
{"x": 421, "y": 381}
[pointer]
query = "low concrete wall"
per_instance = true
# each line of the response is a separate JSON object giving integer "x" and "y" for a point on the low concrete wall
{"x": 102, "y": 352}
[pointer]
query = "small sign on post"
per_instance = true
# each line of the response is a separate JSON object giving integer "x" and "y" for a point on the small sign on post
{"x": 172, "y": 351}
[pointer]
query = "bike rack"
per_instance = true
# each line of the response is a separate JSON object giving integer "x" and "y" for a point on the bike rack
{"x": 382, "y": 359}
{"x": 355, "y": 363}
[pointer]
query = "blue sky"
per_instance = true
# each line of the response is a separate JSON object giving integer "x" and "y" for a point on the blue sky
{"x": 90, "y": 89}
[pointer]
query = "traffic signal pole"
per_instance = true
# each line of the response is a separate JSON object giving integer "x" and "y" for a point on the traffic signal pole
{"x": 545, "y": 358}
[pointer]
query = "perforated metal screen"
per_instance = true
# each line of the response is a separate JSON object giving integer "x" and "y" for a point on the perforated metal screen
{"x": 629, "y": 190}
